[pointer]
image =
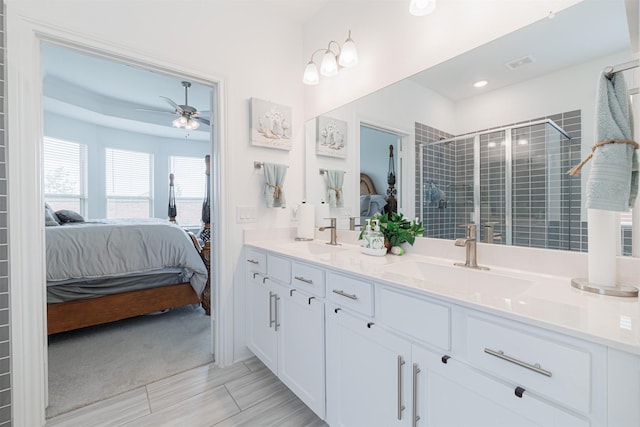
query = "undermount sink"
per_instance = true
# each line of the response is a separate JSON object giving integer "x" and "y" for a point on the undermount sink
{"x": 312, "y": 247}
{"x": 461, "y": 280}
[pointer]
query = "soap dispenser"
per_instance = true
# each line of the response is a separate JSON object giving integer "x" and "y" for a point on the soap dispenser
{"x": 376, "y": 238}
{"x": 365, "y": 236}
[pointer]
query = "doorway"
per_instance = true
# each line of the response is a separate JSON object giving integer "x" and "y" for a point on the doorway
{"x": 382, "y": 161}
{"x": 105, "y": 105}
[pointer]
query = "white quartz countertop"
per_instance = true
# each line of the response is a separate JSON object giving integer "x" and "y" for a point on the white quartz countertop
{"x": 540, "y": 300}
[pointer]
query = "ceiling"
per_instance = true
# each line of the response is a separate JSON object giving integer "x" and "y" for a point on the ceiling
{"x": 110, "y": 93}
{"x": 573, "y": 36}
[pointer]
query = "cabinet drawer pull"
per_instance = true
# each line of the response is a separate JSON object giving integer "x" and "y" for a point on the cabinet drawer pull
{"x": 302, "y": 279}
{"x": 264, "y": 280}
{"x": 401, "y": 408}
{"x": 253, "y": 261}
{"x": 255, "y": 274}
{"x": 519, "y": 391}
{"x": 535, "y": 368}
{"x": 414, "y": 416}
{"x": 344, "y": 294}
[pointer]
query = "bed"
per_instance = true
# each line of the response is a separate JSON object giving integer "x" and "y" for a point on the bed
{"x": 101, "y": 271}
{"x": 370, "y": 201}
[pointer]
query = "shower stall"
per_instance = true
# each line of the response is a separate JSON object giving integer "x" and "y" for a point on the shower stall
{"x": 510, "y": 181}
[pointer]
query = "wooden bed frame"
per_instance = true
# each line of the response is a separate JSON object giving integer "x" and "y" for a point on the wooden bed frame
{"x": 366, "y": 185}
{"x": 67, "y": 316}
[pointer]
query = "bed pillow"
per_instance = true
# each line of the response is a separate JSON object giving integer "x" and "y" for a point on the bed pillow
{"x": 50, "y": 217}
{"x": 67, "y": 215}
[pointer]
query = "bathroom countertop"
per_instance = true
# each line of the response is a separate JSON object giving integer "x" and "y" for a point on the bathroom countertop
{"x": 541, "y": 300}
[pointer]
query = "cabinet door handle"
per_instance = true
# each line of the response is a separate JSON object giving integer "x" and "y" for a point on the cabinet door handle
{"x": 253, "y": 261}
{"x": 401, "y": 363}
{"x": 277, "y": 315}
{"x": 535, "y": 368}
{"x": 271, "y": 321}
{"x": 302, "y": 279}
{"x": 344, "y": 294}
{"x": 414, "y": 416}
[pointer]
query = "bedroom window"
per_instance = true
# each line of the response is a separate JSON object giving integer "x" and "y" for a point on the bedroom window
{"x": 189, "y": 181}
{"x": 65, "y": 175}
{"x": 128, "y": 184}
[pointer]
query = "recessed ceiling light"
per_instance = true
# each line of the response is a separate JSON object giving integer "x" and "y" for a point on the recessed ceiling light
{"x": 480, "y": 83}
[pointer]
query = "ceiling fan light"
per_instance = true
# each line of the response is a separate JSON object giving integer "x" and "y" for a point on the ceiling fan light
{"x": 176, "y": 123}
{"x": 193, "y": 124}
{"x": 349, "y": 53}
{"x": 422, "y": 7}
{"x": 329, "y": 66}
{"x": 311, "y": 76}
{"x": 182, "y": 120}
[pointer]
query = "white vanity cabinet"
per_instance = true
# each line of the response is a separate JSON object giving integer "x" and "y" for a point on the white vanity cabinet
{"x": 286, "y": 325}
{"x": 397, "y": 356}
{"x": 368, "y": 373}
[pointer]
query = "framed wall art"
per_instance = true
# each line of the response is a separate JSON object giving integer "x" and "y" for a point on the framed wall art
{"x": 332, "y": 137}
{"x": 270, "y": 124}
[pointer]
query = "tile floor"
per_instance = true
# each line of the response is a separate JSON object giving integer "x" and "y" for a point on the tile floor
{"x": 244, "y": 394}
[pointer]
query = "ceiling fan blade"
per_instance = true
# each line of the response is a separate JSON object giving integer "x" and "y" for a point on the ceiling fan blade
{"x": 172, "y": 103}
{"x": 173, "y": 113}
{"x": 203, "y": 120}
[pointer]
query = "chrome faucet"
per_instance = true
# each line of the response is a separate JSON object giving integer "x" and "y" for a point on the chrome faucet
{"x": 352, "y": 223}
{"x": 489, "y": 235}
{"x": 469, "y": 243}
{"x": 334, "y": 232}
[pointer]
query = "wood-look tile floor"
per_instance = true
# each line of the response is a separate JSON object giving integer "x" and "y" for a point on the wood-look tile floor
{"x": 244, "y": 394}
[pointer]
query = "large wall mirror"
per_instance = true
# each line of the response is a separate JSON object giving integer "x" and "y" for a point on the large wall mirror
{"x": 494, "y": 155}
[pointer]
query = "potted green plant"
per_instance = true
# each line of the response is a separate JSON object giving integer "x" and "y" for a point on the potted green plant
{"x": 397, "y": 229}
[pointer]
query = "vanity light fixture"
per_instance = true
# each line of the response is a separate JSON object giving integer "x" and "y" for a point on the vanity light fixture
{"x": 480, "y": 83}
{"x": 422, "y": 7}
{"x": 347, "y": 56}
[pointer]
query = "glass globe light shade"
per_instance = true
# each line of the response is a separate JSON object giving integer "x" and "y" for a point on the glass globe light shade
{"x": 329, "y": 66}
{"x": 349, "y": 53}
{"x": 311, "y": 76}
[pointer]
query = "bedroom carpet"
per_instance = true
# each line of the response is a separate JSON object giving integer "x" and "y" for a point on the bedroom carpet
{"x": 95, "y": 363}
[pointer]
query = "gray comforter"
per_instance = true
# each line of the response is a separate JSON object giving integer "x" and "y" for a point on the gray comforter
{"x": 116, "y": 248}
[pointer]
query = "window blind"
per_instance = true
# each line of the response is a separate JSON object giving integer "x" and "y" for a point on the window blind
{"x": 128, "y": 183}
{"x": 64, "y": 166}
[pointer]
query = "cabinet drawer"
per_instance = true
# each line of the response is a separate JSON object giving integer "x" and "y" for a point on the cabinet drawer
{"x": 279, "y": 268}
{"x": 308, "y": 278}
{"x": 423, "y": 320}
{"x": 539, "y": 365}
{"x": 350, "y": 293}
{"x": 256, "y": 261}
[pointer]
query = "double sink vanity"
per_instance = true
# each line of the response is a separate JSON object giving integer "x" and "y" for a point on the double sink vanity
{"x": 414, "y": 340}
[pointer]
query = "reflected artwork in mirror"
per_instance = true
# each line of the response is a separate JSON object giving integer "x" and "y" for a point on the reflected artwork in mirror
{"x": 464, "y": 158}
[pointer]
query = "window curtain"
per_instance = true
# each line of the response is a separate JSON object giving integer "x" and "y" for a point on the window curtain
{"x": 335, "y": 179}
{"x": 274, "y": 175}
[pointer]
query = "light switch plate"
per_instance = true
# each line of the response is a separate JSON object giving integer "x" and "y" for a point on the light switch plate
{"x": 246, "y": 214}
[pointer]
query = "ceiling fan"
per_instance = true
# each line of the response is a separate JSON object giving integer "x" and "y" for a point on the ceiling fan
{"x": 188, "y": 116}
